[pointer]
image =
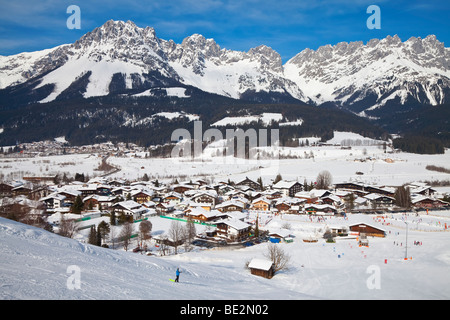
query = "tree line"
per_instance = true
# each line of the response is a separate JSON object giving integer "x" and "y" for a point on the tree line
{"x": 419, "y": 144}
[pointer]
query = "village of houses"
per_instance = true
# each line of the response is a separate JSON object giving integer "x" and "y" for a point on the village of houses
{"x": 228, "y": 211}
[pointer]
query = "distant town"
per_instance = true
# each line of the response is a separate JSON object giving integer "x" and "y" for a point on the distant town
{"x": 232, "y": 210}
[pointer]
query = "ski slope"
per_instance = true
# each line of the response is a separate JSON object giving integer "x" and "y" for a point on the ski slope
{"x": 34, "y": 265}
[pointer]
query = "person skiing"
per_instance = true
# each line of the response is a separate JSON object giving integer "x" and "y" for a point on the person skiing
{"x": 177, "y": 273}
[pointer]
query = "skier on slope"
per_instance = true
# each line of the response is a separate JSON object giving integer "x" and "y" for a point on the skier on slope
{"x": 177, "y": 273}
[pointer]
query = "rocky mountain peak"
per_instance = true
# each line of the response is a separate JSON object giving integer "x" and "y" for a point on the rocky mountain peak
{"x": 116, "y": 33}
{"x": 391, "y": 41}
{"x": 199, "y": 44}
{"x": 268, "y": 58}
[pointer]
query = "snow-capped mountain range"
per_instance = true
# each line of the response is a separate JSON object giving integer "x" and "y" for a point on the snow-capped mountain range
{"x": 120, "y": 57}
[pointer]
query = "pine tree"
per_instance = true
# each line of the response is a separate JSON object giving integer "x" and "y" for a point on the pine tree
{"x": 104, "y": 229}
{"x": 403, "y": 197}
{"x": 92, "y": 238}
{"x": 79, "y": 177}
{"x": 278, "y": 178}
{"x": 112, "y": 218}
{"x": 78, "y": 205}
{"x": 260, "y": 182}
{"x": 257, "y": 227}
{"x": 98, "y": 238}
{"x": 350, "y": 201}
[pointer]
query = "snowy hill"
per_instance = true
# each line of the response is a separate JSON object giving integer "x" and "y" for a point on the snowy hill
{"x": 35, "y": 264}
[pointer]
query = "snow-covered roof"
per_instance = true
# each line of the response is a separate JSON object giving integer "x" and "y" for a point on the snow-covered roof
{"x": 319, "y": 192}
{"x": 236, "y": 215}
{"x": 260, "y": 264}
{"x": 360, "y": 200}
{"x": 320, "y": 206}
{"x": 53, "y": 196}
{"x": 283, "y": 233}
{"x": 146, "y": 192}
{"x": 69, "y": 193}
{"x": 332, "y": 197}
{"x": 263, "y": 199}
{"x": 305, "y": 194}
{"x": 418, "y": 198}
{"x": 367, "y": 224}
{"x": 128, "y": 205}
{"x": 99, "y": 198}
{"x": 282, "y": 184}
{"x": 230, "y": 203}
{"x": 199, "y": 193}
{"x": 173, "y": 194}
{"x": 235, "y": 224}
{"x": 197, "y": 211}
{"x": 374, "y": 196}
{"x": 187, "y": 186}
{"x": 194, "y": 204}
{"x": 421, "y": 189}
{"x": 288, "y": 200}
{"x": 88, "y": 187}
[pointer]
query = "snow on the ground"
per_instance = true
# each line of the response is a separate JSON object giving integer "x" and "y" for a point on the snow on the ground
{"x": 177, "y": 92}
{"x": 171, "y": 92}
{"x": 365, "y": 163}
{"x": 350, "y": 138}
{"x": 16, "y": 168}
{"x": 35, "y": 264}
{"x": 266, "y": 118}
{"x": 61, "y": 139}
{"x": 173, "y": 115}
{"x": 133, "y": 121}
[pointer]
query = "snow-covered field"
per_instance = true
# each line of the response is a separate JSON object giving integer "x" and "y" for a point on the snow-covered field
{"x": 36, "y": 264}
{"x": 298, "y": 163}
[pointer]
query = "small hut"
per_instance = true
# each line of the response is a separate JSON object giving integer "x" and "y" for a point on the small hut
{"x": 280, "y": 235}
{"x": 369, "y": 230}
{"x": 262, "y": 268}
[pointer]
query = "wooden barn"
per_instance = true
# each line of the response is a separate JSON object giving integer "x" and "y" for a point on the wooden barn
{"x": 420, "y": 201}
{"x": 262, "y": 268}
{"x": 367, "y": 229}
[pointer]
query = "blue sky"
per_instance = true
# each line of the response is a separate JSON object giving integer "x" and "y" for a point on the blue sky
{"x": 286, "y": 26}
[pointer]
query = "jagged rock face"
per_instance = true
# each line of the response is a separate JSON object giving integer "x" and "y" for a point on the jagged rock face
{"x": 124, "y": 42}
{"x": 384, "y": 69}
{"x": 201, "y": 62}
{"x": 120, "y": 56}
